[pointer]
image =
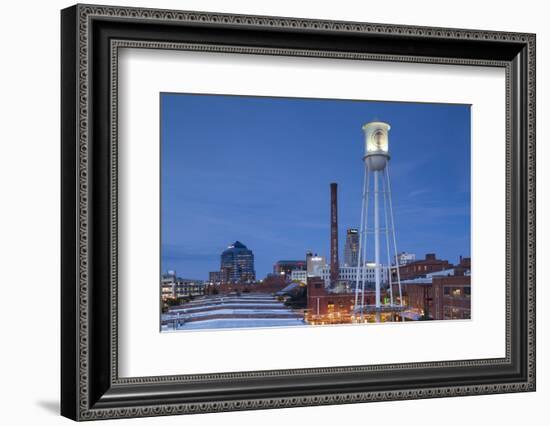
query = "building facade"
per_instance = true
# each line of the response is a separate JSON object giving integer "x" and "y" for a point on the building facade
{"x": 349, "y": 274}
{"x": 451, "y": 297}
{"x": 298, "y": 275}
{"x": 173, "y": 287}
{"x": 418, "y": 297}
{"x": 405, "y": 258}
{"x": 351, "y": 247}
{"x": 315, "y": 263}
{"x": 237, "y": 264}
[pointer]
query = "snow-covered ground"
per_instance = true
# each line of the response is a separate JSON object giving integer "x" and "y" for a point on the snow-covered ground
{"x": 233, "y": 311}
{"x": 246, "y": 311}
{"x": 236, "y": 323}
{"x": 232, "y": 305}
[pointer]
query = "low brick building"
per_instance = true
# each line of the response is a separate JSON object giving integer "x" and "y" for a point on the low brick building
{"x": 324, "y": 307}
{"x": 438, "y": 297}
{"x": 464, "y": 266}
{"x": 421, "y": 268}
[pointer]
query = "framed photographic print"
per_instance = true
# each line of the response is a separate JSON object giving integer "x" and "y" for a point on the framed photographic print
{"x": 263, "y": 212}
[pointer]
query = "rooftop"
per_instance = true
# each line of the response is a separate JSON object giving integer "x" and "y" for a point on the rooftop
{"x": 237, "y": 244}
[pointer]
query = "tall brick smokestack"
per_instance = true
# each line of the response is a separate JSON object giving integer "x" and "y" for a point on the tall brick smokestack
{"x": 334, "y": 264}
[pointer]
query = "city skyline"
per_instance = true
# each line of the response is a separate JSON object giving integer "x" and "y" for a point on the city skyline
{"x": 258, "y": 170}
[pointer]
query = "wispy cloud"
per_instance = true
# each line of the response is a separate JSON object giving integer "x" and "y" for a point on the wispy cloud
{"x": 418, "y": 192}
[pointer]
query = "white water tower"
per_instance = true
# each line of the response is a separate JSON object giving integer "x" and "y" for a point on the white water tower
{"x": 377, "y": 241}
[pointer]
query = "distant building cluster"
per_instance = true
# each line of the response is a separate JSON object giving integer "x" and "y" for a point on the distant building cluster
{"x": 340, "y": 292}
{"x": 441, "y": 294}
{"x": 173, "y": 287}
{"x": 431, "y": 288}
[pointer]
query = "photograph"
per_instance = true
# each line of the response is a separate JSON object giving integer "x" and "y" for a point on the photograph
{"x": 264, "y": 209}
{"x": 292, "y": 212}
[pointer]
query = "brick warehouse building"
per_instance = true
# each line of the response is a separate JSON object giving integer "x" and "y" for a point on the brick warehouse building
{"x": 271, "y": 284}
{"x": 422, "y": 267}
{"x": 439, "y": 297}
{"x": 324, "y": 307}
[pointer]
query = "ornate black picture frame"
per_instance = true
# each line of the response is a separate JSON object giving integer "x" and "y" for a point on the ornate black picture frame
{"x": 90, "y": 38}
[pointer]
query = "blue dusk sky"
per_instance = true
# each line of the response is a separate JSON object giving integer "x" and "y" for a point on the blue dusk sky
{"x": 258, "y": 170}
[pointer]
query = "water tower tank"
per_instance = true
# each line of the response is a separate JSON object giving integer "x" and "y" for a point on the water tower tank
{"x": 376, "y": 144}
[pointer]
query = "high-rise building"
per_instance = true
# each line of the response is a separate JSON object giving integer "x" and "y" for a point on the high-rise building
{"x": 237, "y": 264}
{"x": 351, "y": 248}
